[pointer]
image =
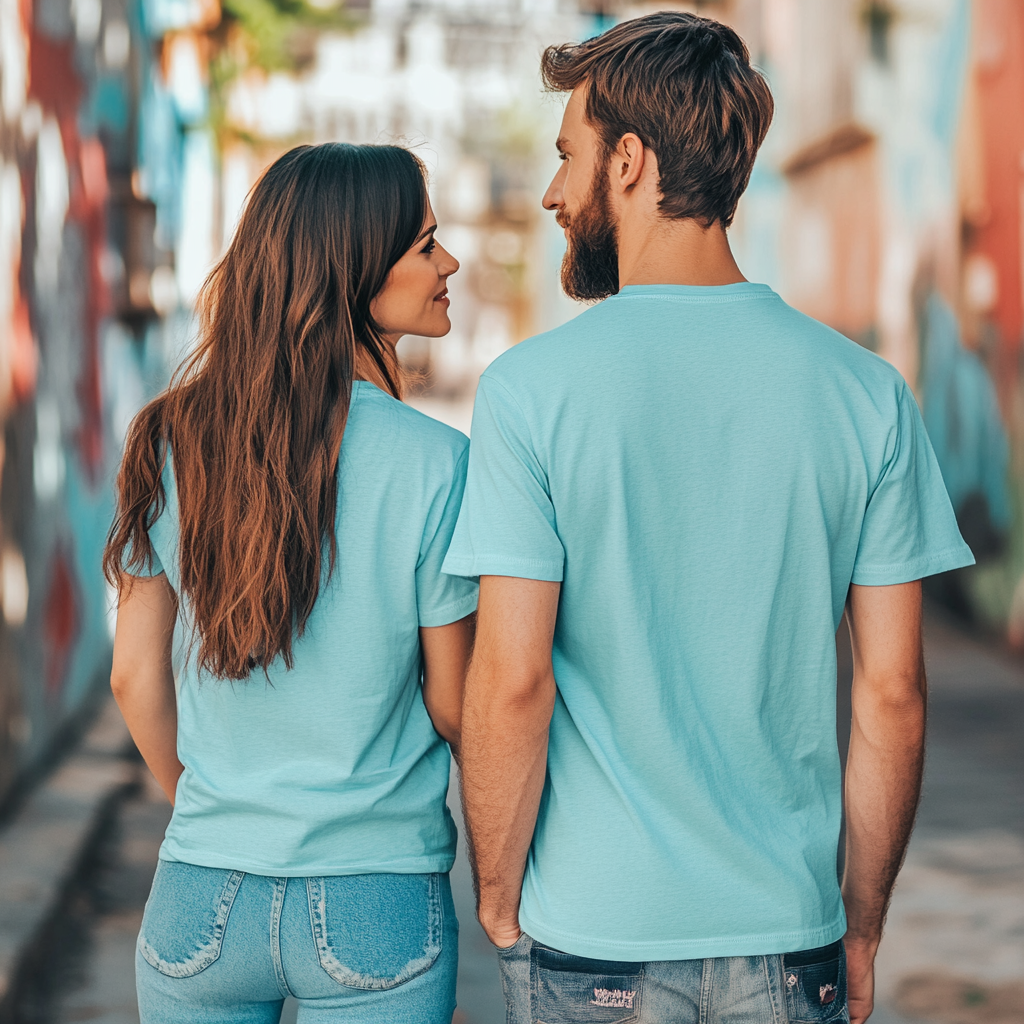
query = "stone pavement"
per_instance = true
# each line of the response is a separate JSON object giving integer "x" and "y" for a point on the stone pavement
{"x": 92, "y": 978}
{"x": 954, "y": 948}
{"x": 44, "y": 847}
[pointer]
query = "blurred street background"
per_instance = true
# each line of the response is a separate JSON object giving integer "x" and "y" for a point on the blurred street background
{"x": 888, "y": 201}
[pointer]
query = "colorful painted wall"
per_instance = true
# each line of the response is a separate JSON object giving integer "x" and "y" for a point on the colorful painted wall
{"x": 887, "y": 203}
{"x": 87, "y": 282}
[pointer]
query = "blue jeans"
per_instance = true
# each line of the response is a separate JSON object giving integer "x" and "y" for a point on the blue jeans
{"x": 222, "y": 945}
{"x": 542, "y": 984}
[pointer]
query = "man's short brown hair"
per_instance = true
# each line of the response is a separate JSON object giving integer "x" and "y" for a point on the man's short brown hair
{"x": 685, "y": 86}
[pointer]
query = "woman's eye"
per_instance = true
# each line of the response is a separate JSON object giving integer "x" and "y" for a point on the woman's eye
{"x": 429, "y": 247}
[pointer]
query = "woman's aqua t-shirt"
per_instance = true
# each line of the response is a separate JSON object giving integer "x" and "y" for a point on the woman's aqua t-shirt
{"x": 333, "y": 767}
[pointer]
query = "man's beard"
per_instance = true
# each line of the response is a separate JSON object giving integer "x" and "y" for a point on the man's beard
{"x": 590, "y": 267}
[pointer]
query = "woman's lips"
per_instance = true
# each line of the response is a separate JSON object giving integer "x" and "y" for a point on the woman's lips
{"x": 442, "y": 296}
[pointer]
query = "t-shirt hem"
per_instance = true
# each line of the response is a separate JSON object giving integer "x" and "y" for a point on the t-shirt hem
{"x": 642, "y": 951}
{"x": 498, "y": 565}
{"x": 140, "y": 574}
{"x": 441, "y": 863}
{"x": 915, "y": 569}
{"x": 450, "y": 612}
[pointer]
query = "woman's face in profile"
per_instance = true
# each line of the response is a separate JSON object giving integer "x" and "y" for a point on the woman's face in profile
{"x": 415, "y": 298}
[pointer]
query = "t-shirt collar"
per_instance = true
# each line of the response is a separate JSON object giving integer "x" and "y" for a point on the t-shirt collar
{"x": 691, "y": 291}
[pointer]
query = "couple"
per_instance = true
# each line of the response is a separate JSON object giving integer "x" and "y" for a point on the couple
{"x": 668, "y": 506}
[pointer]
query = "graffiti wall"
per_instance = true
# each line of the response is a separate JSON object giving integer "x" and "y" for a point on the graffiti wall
{"x": 887, "y": 203}
{"x": 86, "y": 278}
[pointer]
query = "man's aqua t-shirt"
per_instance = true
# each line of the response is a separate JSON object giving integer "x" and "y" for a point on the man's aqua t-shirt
{"x": 706, "y": 470}
{"x": 333, "y": 767}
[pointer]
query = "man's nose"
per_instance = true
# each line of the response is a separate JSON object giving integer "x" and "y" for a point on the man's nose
{"x": 553, "y": 196}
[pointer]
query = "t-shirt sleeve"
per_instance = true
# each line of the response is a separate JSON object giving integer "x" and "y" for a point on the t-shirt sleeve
{"x": 909, "y": 529}
{"x": 441, "y": 599}
{"x": 151, "y": 566}
{"x": 507, "y": 523}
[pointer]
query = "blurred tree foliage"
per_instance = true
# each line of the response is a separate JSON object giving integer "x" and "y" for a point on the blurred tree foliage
{"x": 266, "y": 35}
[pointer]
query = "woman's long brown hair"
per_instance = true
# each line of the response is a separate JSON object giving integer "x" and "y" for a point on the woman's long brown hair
{"x": 254, "y": 419}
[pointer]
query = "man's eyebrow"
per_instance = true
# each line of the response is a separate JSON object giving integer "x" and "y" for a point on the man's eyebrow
{"x": 561, "y": 143}
{"x": 423, "y": 234}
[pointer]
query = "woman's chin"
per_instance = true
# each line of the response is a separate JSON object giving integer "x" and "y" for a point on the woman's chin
{"x": 436, "y": 327}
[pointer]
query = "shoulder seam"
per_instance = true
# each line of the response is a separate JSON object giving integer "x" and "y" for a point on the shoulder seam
{"x": 522, "y": 415}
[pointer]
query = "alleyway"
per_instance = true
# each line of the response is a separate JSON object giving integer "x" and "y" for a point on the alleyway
{"x": 954, "y": 950}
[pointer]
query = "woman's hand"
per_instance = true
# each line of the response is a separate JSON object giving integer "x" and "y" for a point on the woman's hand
{"x": 141, "y": 678}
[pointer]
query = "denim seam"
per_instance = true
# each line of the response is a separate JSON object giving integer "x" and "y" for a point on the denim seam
{"x": 773, "y": 990}
{"x": 435, "y": 909}
{"x": 640, "y": 987}
{"x": 210, "y": 953}
{"x": 344, "y": 975}
{"x": 276, "y": 909}
{"x": 707, "y": 984}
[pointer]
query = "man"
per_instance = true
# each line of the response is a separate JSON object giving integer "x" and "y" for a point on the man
{"x": 671, "y": 501}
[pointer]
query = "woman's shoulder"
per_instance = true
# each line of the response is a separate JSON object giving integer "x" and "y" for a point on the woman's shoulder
{"x": 411, "y": 430}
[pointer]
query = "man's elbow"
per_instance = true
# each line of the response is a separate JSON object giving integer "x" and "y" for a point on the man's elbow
{"x": 883, "y": 708}
{"x": 900, "y": 693}
{"x": 518, "y": 690}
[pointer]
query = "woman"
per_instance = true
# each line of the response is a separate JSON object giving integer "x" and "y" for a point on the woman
{"x": 283, "y": 505}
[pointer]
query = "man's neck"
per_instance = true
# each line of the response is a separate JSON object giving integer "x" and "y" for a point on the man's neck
{"x": 659, "y": 251}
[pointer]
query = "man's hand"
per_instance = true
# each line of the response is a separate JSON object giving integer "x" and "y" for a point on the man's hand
{"x": 860, "y": 979}
{"x": 502, "y": 933}
{"x": 510, "y": 695}
{"x": 883, "y": 769}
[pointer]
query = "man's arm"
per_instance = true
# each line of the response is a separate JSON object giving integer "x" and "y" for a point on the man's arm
{"x": 510, "y": 695}
{"x": 141, "y": 678}
{"x": 883, "y": 769}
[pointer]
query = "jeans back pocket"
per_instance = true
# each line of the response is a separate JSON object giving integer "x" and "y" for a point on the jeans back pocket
{"x": 186, "y": 914}
{"x": 376, "y": 931}
{"x": 567, "y": 989}
{"x": 815, "y": 981}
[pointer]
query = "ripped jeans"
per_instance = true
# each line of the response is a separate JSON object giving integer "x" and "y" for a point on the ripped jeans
{"x": 542, "y": 984}
{"x": 220, "y": 945}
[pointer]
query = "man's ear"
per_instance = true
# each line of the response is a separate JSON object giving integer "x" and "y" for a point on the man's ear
{"x": 628, "y": 161}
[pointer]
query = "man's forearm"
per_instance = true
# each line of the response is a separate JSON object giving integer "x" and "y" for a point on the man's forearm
{"x": 883, "y": 785}
{"x": 504, "y": 763}
{"x": 883, "y": 768}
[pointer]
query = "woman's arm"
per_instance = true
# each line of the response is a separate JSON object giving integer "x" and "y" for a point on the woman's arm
{"x": 446, "y": 651}
{"x": 141, "y": 678}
